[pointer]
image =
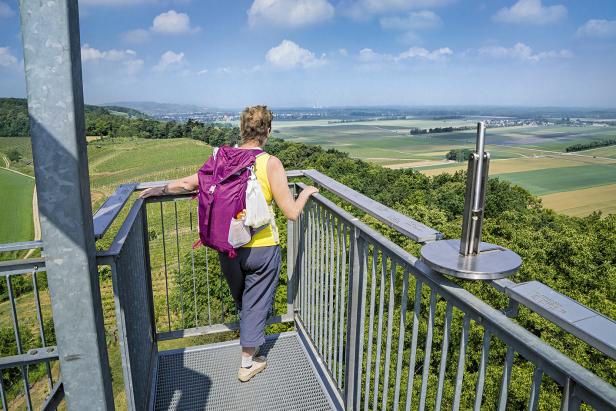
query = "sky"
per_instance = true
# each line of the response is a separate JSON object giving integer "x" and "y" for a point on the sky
{"x": 302, "y": 53}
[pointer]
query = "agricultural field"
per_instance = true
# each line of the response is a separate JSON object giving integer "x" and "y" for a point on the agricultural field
{"x": 16, "y": 207}
{"x": 533, "y": 157}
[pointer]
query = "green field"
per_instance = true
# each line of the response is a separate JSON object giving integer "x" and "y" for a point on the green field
{"x": 392, "y": 144}
{"x": 556, "y": 180}
{"x": 16, "y": 207}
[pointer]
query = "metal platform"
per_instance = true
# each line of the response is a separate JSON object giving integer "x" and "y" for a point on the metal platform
{"x": 205, "y": 378}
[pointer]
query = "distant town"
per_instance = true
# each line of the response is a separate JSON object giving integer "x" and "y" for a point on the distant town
{"x": 493, "y": 116}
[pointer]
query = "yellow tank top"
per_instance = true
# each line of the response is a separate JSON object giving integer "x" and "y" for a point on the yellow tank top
{"x": 269, "y": 235}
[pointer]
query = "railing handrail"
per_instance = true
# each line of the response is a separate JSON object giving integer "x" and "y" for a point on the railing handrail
{"x": 590, "y": 388}
{"x": 413, "y": 229}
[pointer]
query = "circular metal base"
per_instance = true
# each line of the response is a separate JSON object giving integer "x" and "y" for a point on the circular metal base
{"x": 492, "y": 262}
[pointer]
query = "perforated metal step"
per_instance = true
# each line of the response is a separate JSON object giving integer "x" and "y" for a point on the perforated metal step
{"x": 205, "y": 378}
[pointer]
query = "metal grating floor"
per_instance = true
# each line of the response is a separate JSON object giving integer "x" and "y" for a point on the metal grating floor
{"x": 205, "y": 378}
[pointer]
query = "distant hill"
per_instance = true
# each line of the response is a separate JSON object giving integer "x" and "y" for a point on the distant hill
{"x": 156, "y": 109}
{"x": 125, "y": 111}
{"x": 14, "y": 120}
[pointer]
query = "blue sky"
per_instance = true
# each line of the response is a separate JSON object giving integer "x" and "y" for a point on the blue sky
{"x": 338, "y": 52}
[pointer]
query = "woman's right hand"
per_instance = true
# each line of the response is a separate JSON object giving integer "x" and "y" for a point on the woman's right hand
{"x": 310, "y": 190}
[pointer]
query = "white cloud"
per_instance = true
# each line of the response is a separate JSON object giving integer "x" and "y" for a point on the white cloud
{"x": 6, "y": 58}
{"x": 288, "y": 55}
{"x": 420, "y": 20}
{"x": 289, "y": 13}
{"x": 126, "y": 59}
{"x": 137, "y": 36}
{"x": 202, "y": 72}
{"x": 522, "y": 52}
{"x": 223, "y": 70}
{"x": 6, "y": 10}
{"x": 169, "y": 60}
{"x": 531, "y": 12}
{"x": 598, "y": 28}
{"x": 172, "y": 22}
{"x": 91, "y": 54}
{"x": 361, "y": 9}
{"x": 421, "y": 53}
{"x": 414, "y": 53}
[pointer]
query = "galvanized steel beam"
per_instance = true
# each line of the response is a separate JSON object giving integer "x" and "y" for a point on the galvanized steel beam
{"x": 50, "y": 36}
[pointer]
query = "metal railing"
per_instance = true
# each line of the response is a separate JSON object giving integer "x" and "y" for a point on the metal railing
{"x": 377, "y": 318}
{"x": 33, "y": 360}
{"x": 388, "y": 332}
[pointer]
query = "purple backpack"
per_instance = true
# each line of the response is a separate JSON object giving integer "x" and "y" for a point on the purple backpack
{"x": 222, "y": 194}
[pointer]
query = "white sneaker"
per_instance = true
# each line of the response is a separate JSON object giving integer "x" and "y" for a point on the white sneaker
{"x": 258, "y": 365}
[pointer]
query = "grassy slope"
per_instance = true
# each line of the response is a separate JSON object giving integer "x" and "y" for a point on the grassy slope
{"x": 16, "y": 207}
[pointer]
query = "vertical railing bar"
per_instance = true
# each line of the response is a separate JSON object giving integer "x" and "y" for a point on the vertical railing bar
{"x": 306, "y": 256}
{"x": 207, "y": 282}
{"x": 309, "y": 293}
{"x": 313, "y": 279}
{"x": 317, "y": 274}
{"x": 401, "y": 331}
{"x": 535, "y": 388}
{"x": 331, "y": 291}
{"x": 179, "y": 275}
{"x": 461, "y": 360}
{"x": 5, "y": 406}
{"x": 192, "y": 260}
{"x": 325, "y": 283}
{"x": 481, "y": 377}
{"x": 371, "y": 328}
{"x": 335, "y": 362}
{"x": 343, "y": 319}
{"x": 379, "y": 333}
{"x": 428, "y": 350}
{"x": 390, "y": 324}
{"x": 444, "y": 351}
{"x": 322, "y": 274}
{"x": 162, "y": 223}
{"x": 415, "y": 333}
{"x": 504, "y": 390}
{"x": 24, "y": 371}
{"x": 569, "y": 402}
{"x": 363, "y": 255}
{"x": 343, "y": 253}
{"x": 39, "y": 316}
{"x": 299, "y": 308}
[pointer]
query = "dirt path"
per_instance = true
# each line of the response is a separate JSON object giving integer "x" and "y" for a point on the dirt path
{"x": 35, "y": 220}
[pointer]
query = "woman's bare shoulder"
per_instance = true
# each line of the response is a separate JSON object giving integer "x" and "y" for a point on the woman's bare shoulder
{"x": 274, "y": 164}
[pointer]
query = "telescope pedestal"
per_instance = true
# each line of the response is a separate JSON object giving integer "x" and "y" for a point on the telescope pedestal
{"x": 491, "y": 263}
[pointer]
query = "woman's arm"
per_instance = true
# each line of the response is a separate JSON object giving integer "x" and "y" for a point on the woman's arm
{"x": 280, "y": 190}
{"x": 181, "y": 186}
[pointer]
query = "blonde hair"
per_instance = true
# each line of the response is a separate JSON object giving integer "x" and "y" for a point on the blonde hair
{"x": 255, "y": 123}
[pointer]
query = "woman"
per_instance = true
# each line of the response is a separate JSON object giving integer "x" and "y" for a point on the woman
{"x": 252, "y": 276}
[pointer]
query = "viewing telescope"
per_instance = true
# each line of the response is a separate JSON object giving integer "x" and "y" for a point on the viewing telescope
{"x": 469, "y": 257}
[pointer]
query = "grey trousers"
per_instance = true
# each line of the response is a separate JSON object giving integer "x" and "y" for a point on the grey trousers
{"x": 252, "y": 277}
